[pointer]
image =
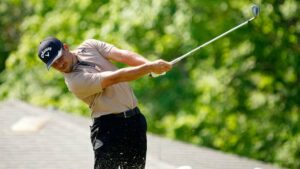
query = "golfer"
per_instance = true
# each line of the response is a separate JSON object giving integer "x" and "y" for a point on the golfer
{"x": 118, "y": 132}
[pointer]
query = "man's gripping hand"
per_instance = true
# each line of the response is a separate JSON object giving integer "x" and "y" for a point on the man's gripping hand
{"x": 159, "y": 67}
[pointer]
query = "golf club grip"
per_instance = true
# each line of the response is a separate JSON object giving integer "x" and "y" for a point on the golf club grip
{"x": 173, "y": 62}
{"x": 153, "y": 75}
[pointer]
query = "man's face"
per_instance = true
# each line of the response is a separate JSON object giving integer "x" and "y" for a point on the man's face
{"x": 65, "y": 63}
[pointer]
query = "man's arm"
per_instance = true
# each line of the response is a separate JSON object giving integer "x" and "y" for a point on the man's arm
{"x": 133, "y": 73}
{"x": 127, "y": 57}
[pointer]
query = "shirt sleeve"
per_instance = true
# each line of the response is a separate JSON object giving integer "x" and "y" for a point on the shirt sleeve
{"x": 84, "y": 84}
{"x": 102, "y": 47}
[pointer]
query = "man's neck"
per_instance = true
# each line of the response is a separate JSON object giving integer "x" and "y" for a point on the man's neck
{"x": 74, "y": 59}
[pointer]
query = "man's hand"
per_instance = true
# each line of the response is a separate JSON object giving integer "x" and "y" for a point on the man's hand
{"x": 160, "y": 66}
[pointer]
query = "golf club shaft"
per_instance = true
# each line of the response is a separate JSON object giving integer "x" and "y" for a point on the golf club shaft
{"x": 205, "y": 44}
{"x": 214, "y": 39}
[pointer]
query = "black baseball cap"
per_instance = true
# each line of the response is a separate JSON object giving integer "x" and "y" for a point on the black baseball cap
{"x": 50, "y": 50}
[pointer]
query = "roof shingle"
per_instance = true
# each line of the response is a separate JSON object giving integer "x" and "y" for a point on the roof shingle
{"x": 63, "y": 143}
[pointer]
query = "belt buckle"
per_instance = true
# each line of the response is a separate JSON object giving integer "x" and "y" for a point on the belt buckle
{"x": 125, "y": 115}
{"x": 129, "y": 113}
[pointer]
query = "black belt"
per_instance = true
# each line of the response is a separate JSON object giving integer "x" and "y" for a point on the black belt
{"x": 126, "y": 114}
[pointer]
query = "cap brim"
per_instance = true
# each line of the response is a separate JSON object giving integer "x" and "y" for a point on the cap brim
{"x": 59, "y": 54}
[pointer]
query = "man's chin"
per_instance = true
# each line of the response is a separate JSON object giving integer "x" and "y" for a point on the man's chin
{"x": 67, "y": 70}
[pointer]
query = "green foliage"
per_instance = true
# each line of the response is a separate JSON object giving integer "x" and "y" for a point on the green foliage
{"x": 11, "y": 18}
{"x": 239, "y": 94}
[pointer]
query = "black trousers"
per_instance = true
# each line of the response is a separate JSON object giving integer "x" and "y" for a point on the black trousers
{"x": 119, "y": 142}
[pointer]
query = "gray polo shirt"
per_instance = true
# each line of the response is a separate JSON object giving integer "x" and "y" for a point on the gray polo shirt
{"x": 85, "y": 81}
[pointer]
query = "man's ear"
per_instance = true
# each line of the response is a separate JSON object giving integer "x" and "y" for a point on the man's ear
{"x": 66, "y": 47}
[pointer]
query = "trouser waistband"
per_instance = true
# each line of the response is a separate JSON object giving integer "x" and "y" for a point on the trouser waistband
{"x": 126, "y": 114}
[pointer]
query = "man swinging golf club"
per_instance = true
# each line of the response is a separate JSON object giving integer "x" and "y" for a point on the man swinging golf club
{"x": 118, "y": 133}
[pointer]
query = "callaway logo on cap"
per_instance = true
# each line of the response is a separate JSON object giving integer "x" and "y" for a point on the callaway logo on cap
{"x": 50, "y": 50}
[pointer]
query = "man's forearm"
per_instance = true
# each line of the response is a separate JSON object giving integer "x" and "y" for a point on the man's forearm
{"x": 133, "y": 59}
{"x": 133, "y": 73}
{"x": 124, "y": 75}
{"x": 128, "y": 57}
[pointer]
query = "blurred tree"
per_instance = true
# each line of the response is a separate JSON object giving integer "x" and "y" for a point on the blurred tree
{"x": 12, "y": 14}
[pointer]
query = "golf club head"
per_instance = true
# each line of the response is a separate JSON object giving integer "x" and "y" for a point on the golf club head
{"x": 255, "y": 10}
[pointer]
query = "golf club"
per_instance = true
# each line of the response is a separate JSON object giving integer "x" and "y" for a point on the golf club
{"x": 255, "y": 12}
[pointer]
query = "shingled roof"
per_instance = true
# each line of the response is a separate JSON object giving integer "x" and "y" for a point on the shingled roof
{"x": 36, "y": 138}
